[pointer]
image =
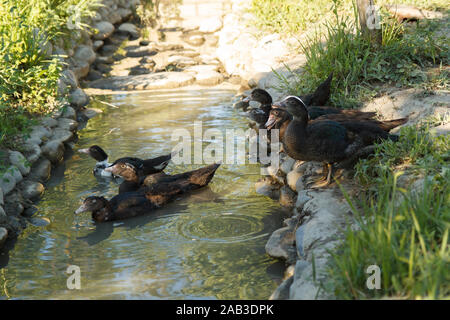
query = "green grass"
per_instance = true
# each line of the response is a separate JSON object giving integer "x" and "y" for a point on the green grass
{"x": 361, "y": 68}
{"x": 404, "y": 232}
{"x": 28, "y": 73}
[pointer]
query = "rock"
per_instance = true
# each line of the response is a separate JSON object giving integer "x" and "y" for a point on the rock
{"x": 91, "y": 112}
{"x": 29, "y": 212}
{"x": 281, "y": 245}
{"x": 209, "y": 78}
{"x": 140, "y": 51}
{"x": 181, "y": 61}
{"x": 194, "y": 40}
{"x": 32, "y": 152}
{"x": 287, "y": 164}
{"x": 39, "y": 222}
{"x": 13, "y": 204}
{"x": 202, "y": 68}
{"x": 161, "y": 80}
{"x": 1, "y": 197}
{"x": 114, "y": 17}
{"x": 129, "y": 30}
{"x": 108, "y": 49}
{"x": 69, "y": 113}
{"x": 292, "y": 178}
{"x": 62, "y": 135}
{"x": 124, "y": 14}
{"x": 443, "y": 129}
{"x": 49, "y": 122}
{"x": 103, "y": 68}
{"x": 8, "y": 180}
{"x": 104, "y": 60}
{"x": 41, "y": 170}
{"x": 3, "y": 216}
{"x": 80, "y": 69}
{"x": 3, "y": 236}
{"x": 31, "y": 190}
{"x": 79, "y": 98}
{"x": 94, "y": 75}
{"x": 268, "y": 188}
{"x": 104, "y": 30}
{"x": 38, "y": 134}
{"x": 302, "y": 198}
{"x": 408, "y": 12}
{"x": 84, "y": 53}
{"x": 287, "y": 197}
{"x": 282, "y": 291}
{"x": 18, "y": 160}
{"x": 69, "y": 78}
{"x": 67, "y": 124}
{"x": 210, "y": 25}
{"x": 97, "y": 45}
{"x": 53, "y": 151}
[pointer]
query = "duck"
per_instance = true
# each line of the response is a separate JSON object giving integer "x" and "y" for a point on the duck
{"x": 190, "y": 180}
{"x": 326, "y": 140}
{"x": 135, "y": 203}
{"x": 321, "y": 95}
{"x": 261, "y": 114}
{"x": 144, "y": 167}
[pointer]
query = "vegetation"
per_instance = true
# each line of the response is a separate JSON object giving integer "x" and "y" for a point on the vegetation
{"x": 29, "y": 72}
{"x": 403, "y": 232}
{"x": 359, "y": 65}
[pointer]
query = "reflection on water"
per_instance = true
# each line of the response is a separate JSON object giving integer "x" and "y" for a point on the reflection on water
{"x": 209, "y": 245}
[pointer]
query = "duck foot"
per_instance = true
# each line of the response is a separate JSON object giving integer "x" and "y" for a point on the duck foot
{"x": 325, "y": 180}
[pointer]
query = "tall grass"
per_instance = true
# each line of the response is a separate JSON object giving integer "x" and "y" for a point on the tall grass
{"x": 28, "y": 72}
{"x": 403, "y": 232}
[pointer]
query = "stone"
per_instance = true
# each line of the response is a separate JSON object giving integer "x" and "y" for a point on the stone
{"x": 210, "y": 25}
{"x": 3, "y": 236}
{"x": 1, "y": 197}
{"x": 94, "y": 75}
{"x": 409, "y": 12}
{"x": 8, "y": 180}
{"x": 124, "y": 14}
{"x": 31, "y": 190}
{"x": 41, "y": 170}
{"x": 181, "y": 61}
{"x": 97, "y": 44}
{"x": 114, "y": 17}
{"x": 268, "y": 188}
{"x": 80, "y": 69}
{"x": 49, "y": 122}
{"x": 287, "y": 164}
{"x": 39, "y": 222}
{"x": 38, "y": 134}
{"x": 104, "y": 30}
{"x": 85, "y": 53}
{"x": 69, "y": 78}
{"x": 62, "y": 135}
{"x": 287, "y": 197}
{"x": 209, "y": 78}
{"x": 108, "y": 49}
{"x": 79, "y": 98}
{"x": 14, "y": 204}
{"x": 54, "y": 151}
{"x": 29, "y": 212}
{"x": 282, "y": 291}
{"x": 140, "y": 51}
{"x": 32, "y": 152}
{"x": 67, "y": 124}
{"x": 3, "y": 216}
{"x": 202, "y": 68}
{"x": 104, "y": 60}
{"x": 129, "y": 30}
{"x": 195, "y": 39}
{"x": 91, "y": 112}
{"x": 281, "y": 244}
{"x": 292, "y": 178}
{"x": 69, "y": 113}
{"x": 160, "y": 80}
{"x": 302, "y": 199}
{"x": 18, "y": 160}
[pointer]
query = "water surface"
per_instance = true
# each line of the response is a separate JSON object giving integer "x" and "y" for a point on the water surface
{"x": 209, "y": 245}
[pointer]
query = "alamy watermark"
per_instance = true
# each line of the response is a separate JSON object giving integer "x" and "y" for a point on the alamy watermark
{"x": 373, "y": 17}
{"x": 74, "y": 280}
{"x": 374, "y": 280}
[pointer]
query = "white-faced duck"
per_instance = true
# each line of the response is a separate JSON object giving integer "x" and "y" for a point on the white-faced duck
{"x": 144, "y": 167}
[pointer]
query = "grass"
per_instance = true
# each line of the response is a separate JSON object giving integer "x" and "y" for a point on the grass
{"x": 404, "y": 232}
{"x": 361, "y": 66}
{"x": 28, "y": 72}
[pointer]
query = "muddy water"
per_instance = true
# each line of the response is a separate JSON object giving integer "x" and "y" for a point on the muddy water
{"x": 209, "y": 245}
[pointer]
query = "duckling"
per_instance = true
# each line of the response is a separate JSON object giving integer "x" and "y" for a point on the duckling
{"x": 261, "y": 114}
{"x": 190, "y": 180}
{"x": 325, "y": 140}
{"x": 144, "y": 167}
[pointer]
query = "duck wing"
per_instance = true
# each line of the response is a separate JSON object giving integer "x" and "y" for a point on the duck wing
{"x": 130, "y": 204}
{"x": 321, "y": 95}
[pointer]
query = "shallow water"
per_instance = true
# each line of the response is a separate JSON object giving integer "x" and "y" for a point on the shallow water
{"x": 209, "y": 245}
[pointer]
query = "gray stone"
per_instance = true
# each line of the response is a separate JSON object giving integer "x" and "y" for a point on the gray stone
{"x": 79, "y": 98}
{"x": 209, "y": 78}
{"x": 104, "y": 60}
{"x": 38, "y": 134}
{"x": 97, "y": 45}
{"x": 210, "y": 25}
{"x": 129, "y": 30}
{"x": 287, "y": 197}
{"x": 124, "y": 13}
{"x": 39, "y": 222}
{"x": 281, "y": 244}
{"x": 68, "y": 112}
{"x": 29, "y": 212}
{"x": 302, "y": 199}
{"x": 140, "y": 51}
{"x": 195, "y": 39}
{"x": 53, "y": 151}
{"x": 62, "y": 135}
{"x": 202, "y": 68}
{"x": 181, "y": 61}
{"x": 69, "y": 78}
{"x": 49, "y": 122}
{"x": 3, "y": 216}
{"x": 299, "y": 233}
{"x": 3, "y": 236}
{"x": 282, "y": 291}
{"x": 292, "y": 178}
{"x": 32, "y": 152}
{"x": 31, "y": 190}
{"x": 85, "y": 53}
{"x": 14, "y": 204}
{"x": 94, "y": 75}
{"x": 104, "y": 30}
{"x": 17, "y": 159}
{"x": 80, "y": 69}
{"x": 287, "y": 164}
{"x": 67, "y": 124}
{"x": 41, "y": 170}
{"x": 114, "y": 17}
{"x": 1, "y": 197}
{"x": 8, "y": 181}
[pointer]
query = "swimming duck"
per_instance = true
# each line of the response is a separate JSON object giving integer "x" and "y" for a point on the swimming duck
{"x": 131, "y": 204}
{"x": 144, "y": 167}
{"x": 325, "y": 140}
{"x": 190, "y": 180}
{"x": 261, "y": 114}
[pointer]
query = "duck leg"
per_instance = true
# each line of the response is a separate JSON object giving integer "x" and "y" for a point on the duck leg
{"x": 324, "y": 181}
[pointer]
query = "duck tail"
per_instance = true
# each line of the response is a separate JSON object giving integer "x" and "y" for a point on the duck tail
{"x": 203, "y": 176}
{"x": 322, "y": 93}
{"x": 391, "y": 124}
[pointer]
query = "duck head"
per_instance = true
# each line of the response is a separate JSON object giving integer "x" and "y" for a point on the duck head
{"x": 295, "y": 106}
{"x": 95, "y": 152}
{"x": 277, "y": 117}
{"x": 92, "y": 204}
{"x": 125, "y": 170}
{"x": 259, "y": 95}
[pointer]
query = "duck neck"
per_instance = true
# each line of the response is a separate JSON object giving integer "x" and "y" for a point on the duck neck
{"x": 103, "y": 214}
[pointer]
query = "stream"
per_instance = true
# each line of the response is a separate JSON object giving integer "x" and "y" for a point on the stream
{"x": 208, "y": 245}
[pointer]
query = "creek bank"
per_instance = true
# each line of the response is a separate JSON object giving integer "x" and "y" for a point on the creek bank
{"x": 319, "y": 216}
{"x": 28, "y": 169}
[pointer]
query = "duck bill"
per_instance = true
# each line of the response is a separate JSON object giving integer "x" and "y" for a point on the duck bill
{"x": 247, "y": 99}
{"x": 279, "y": 105}
{"x": 84, "y": 151}
{"x": 81, "y": 209}
{"x": 270, "y": 122}
{"x": 112, "y": 169}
